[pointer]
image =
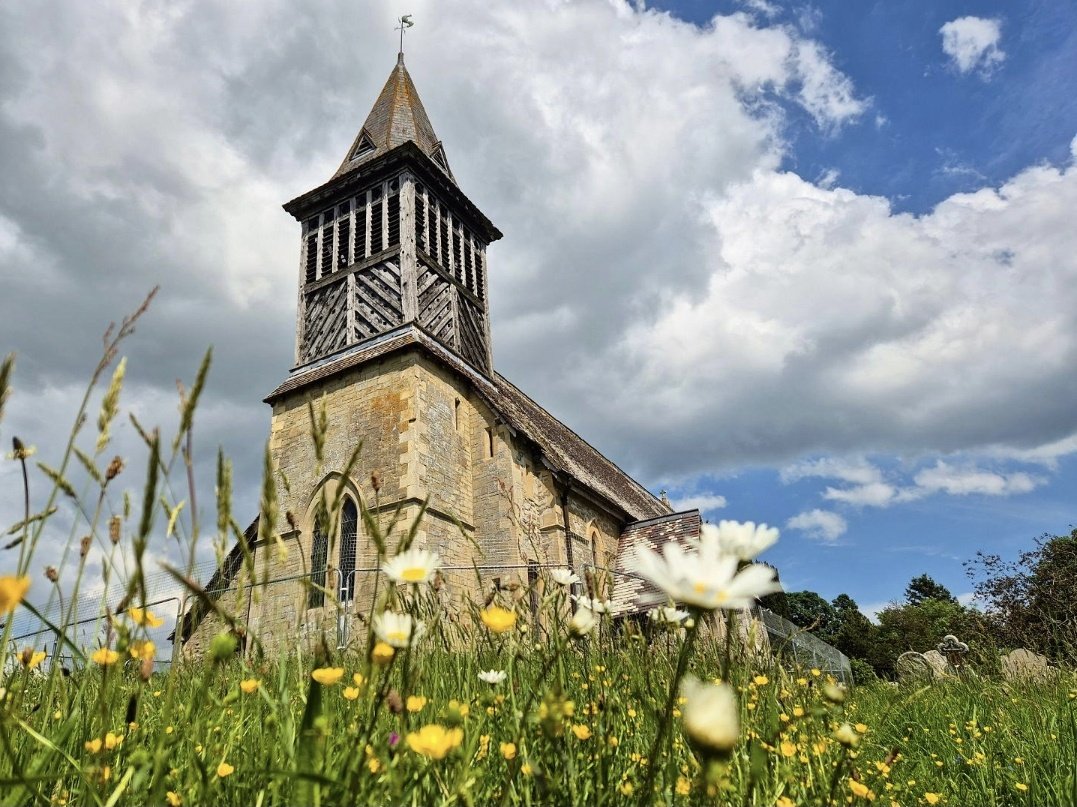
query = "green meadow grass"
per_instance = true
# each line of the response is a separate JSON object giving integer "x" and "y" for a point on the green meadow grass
{"x": 595, "y": 720}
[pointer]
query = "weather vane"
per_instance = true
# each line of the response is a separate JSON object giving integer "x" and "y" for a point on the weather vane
{"x": 405, "y": 23}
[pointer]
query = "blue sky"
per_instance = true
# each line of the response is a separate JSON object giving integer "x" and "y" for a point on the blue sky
{"x": 930, "y": 131}
{"x": 812, "y": 264}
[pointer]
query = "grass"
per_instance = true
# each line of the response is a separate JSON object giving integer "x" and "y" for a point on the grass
{"x": 582, "y": 717}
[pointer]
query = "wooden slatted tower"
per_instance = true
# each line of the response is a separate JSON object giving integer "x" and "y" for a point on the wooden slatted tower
{"x": 391, "y": 240}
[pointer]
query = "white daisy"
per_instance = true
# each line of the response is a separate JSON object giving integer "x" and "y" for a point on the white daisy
{"x": 582, "y": 622}
{"x": 667, "y": 615}
{"x": 413, "y": 566}
{"x": 492, "y": 676}
{"x": 711, "y": 715}
{"x": 596, "y": 605}
{"x": 704, "y": 579}
{"x": 397, "y": 629}
{"x": 744, "y": 541}
{"x": 564, "y": 577}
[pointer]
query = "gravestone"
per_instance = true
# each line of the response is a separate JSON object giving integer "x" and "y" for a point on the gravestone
{"x": 912, "y": 666}
{"x": 1023, "y": 664}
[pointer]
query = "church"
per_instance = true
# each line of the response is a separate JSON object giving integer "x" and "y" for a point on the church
{"x": 393, "y": 339}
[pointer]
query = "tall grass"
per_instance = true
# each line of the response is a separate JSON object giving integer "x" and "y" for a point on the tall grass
{"x": 583, "y": 716}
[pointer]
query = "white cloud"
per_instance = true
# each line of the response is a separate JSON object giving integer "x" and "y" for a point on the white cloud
{"x": 875, "y": 494}
{"x": 703, "y": 502}
{"x": 965, "y": 481}
{"x": 847, "y": 469}
{"x": 972, "y": 43}
{"x": 823, "y": 525}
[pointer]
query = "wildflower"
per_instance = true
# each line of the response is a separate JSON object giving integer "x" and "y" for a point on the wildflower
{"x": 932, "y": 798}
{"x": 743, "y": 541}
{"x": 113, "y": 741}
{"x": 382, "y": 653}
{"x": 104, "y": 656}
{"x": 1021, "y": 786}
{"x": 847, "y": 736}
{"x": 704, "y": 579}
{"x": 397, "y": 630}
{"x": 816, "y": 672}
{"x": 508, "y": 750}
{"x": 373, "y": 764}
{"x": 784, "y": 801}
{"x": 327, "y": 676}
{"x": 788, "y": 749}
{"x": 667, "y": 616}
{"x": 861, "y": 727}
{"x": 31, "y": 658}
{"x": 94, "y": 745}
{"x": 760, "y": 680}
{"x": 798, "y": 711}
{"x": 434, "y": 741}
{"x": 835, "y": 693}
{"x": 498, "y": 619}
{"x": 582, "y": 622}
{"x": 174, "y": 799}
{"x": 581, "y": 731}
{"x": 684, "y": 786}
{"x": 144, "y": 618}
{"x": 712, "y": 719}
{"x": 492, "y": 676}
{"x": 626, "y": 788}
{"x": 416, "y": 703}
{"x": 860, "y": 790}
{"x": 526, "y": 769}
{"x": 12, "y": 591}
{"x": 358, "y": 679}
{"x": 350, "y": 693}
{"x": 142, "y": 649}
{"x": 224, "y": 769}
{"x": 595, "y": 604}
{"x": 564, "y": 577}
{"x": 413, "y": 566}
{"x": 250, "y": 685}
{"x": 394, "y": 740}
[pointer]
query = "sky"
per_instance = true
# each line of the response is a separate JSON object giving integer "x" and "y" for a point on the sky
{"x": 811, "y": 264}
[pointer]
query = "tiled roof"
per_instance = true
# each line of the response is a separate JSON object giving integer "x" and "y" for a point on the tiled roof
{"x": 631, "y": 593}
{"x": 396, "y": 117}
{"x": 563, "y": 449}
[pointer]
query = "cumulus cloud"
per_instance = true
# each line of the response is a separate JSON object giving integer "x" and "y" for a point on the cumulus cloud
{"x": 965, "y": 481}
{"x": 704, "y": 502}
{"x": 972, "y": 43}
{"x": 822, "y": 525}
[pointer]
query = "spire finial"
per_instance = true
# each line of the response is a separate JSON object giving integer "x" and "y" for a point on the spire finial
{"x": 405, "y": 22}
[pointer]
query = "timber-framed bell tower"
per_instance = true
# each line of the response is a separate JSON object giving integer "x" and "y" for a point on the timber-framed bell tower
{"x": 390, "y": 240}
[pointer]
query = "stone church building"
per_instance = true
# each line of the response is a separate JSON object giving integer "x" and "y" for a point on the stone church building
{"x": 393, "y": 335}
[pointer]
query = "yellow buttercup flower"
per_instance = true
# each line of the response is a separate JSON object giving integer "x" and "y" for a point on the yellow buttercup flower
{"x": 416, "y": 703}
{"x": 508, "y": 750}
{"x": 249, "y": 685}
{"x": 145, "y": 618}
{"x": 382, "y": 653}
{"x": 498, "y": 619}
{"x": 760, "y": 680}
{"x": 94, "y": 745}
{"x": 435, "y": 741}
{"x": 861, "y": 727}
{"x": 859, "y": 789}
{"x": 327, "y": 676}
{"x": 684, "y": 786}
{"x": 224, "y": 769}
{"x": 104, "y": 656}
{"x": 788, "y": 749}
{"x": 581, "y": 731}
{"x": 526, "y": 769}
{"x": 784, "y": 801}
{"x": 142, "y": 649}
{"x": 32, "y": 658}
{"x": 113, "y": 740}
{"x": 351, "y": 693}
{"x": 174, "y": 799}
{"x": 358, "y": 679}
{"x": 12, "y": 591}
{"x": 932, "y": 798}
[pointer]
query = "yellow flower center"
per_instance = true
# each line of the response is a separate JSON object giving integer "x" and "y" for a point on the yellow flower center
{"x": 416, "y": 574}
{"x": 397, "y": 636}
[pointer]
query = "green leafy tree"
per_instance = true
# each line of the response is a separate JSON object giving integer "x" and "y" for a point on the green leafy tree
{"x": 810, "y": 611}
{"x": 852, "y": 632}
{"x": 924, "y": 588}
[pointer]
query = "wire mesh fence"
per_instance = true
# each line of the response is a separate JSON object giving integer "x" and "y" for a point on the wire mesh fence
{"x": 335, "y": 604}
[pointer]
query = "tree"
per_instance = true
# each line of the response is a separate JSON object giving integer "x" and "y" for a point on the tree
{"x": 852, "y": 632}
{"x": 925, "y": 587}
{"x": 810, "y": 611}
{"x": 1029, "y": 602}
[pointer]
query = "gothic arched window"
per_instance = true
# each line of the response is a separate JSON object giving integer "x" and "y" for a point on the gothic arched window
{"x": 319, "y": 556}
{"x": 349, "y": 531}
